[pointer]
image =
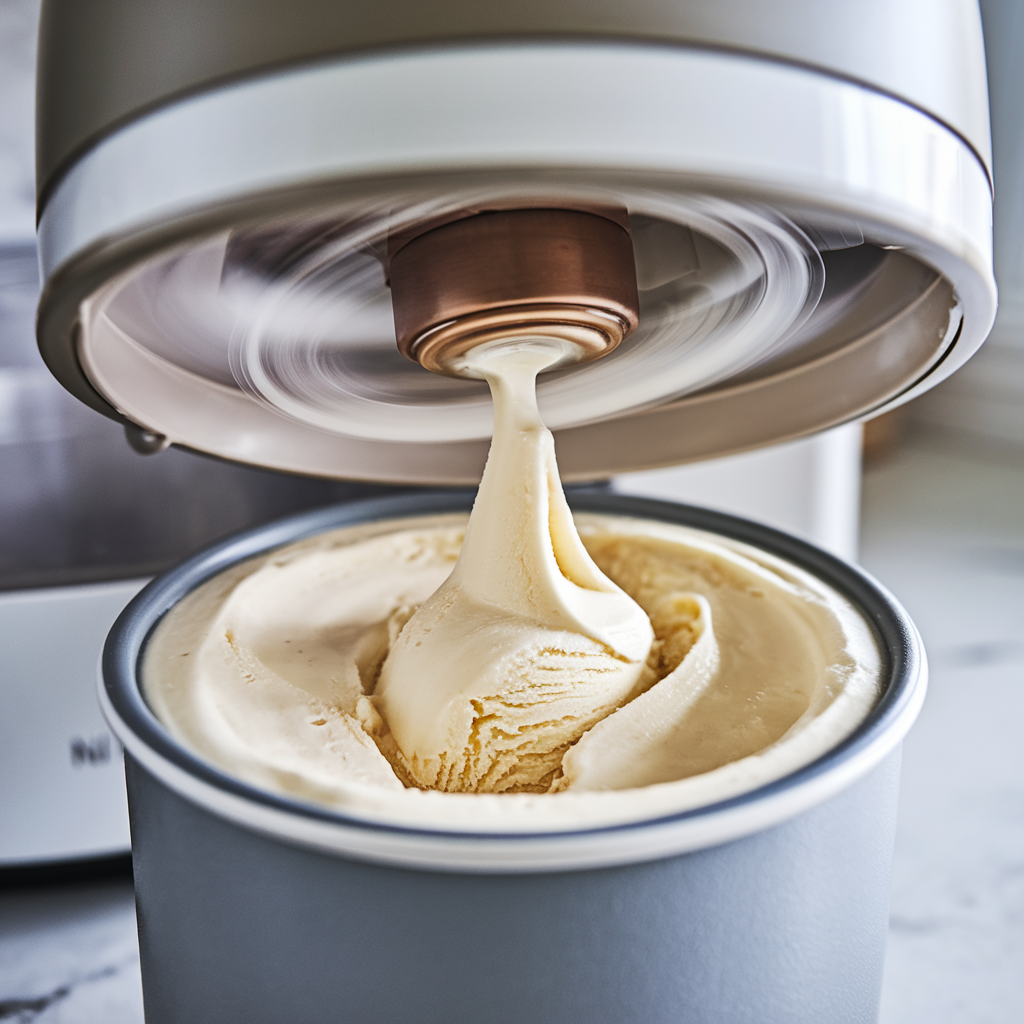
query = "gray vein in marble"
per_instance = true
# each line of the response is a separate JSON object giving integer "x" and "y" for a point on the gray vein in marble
{"x": 25, "y": 1010}
{"x": 69, "y": 955}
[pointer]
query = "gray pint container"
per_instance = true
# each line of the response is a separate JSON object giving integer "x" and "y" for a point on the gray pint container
{"x": 768, "y": 908}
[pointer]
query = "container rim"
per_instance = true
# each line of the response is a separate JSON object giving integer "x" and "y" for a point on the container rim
{"x": 148, "y": 742}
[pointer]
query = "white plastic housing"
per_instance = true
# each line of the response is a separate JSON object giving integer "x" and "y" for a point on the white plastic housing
{"x": 656, "y": 129}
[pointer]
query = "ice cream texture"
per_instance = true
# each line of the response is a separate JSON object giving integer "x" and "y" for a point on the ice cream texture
{"x": 519, "y": 671}
{"x": 527, "y": 644}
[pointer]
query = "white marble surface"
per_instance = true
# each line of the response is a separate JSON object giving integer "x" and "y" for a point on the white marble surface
{"x": 944, "y": 528}
{"x": 69, "y": 955}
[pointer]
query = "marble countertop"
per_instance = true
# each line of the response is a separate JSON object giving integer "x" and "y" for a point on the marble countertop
{"x": 69, "y": 954}
{"x": 944, "y": 529}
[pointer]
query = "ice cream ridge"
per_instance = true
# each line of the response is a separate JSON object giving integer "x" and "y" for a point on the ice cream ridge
{"x": 519, "y": 670}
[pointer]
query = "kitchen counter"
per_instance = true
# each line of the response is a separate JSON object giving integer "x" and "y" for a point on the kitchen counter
{"x": 69, "y": 954}
{"x": 944, "y": 529}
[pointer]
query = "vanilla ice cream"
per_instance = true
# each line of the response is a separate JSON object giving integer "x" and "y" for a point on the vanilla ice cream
{"x": 509, "y": 672}
{"x": 527, "y": 644}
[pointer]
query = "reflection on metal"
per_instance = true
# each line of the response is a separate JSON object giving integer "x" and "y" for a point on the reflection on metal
{"x": 145, "y": 442}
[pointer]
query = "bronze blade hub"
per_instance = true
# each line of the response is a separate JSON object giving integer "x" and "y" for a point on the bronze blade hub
{"x": 514, "y": 275}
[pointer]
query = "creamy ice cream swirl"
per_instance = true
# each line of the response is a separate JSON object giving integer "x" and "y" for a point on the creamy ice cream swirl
{"x": 268, "y": 671}
{"x": 527, "y": 644}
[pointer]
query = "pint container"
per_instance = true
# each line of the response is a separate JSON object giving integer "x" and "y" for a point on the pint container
{"x": 766, "y": 908}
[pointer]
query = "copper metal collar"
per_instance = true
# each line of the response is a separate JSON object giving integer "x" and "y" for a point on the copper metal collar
{"x": 514, "y": 274}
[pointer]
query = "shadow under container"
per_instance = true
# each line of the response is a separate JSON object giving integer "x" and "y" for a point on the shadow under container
{"x": 768, "y": 907}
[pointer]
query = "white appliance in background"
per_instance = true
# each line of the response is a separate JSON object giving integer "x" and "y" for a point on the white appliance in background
{"x": 810, "y": 487}
{"x": 61, "y": 776}
{"x": 84, "y": 521}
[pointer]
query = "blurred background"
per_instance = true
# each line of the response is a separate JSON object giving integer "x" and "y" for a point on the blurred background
{"x": 930, "y": 498}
